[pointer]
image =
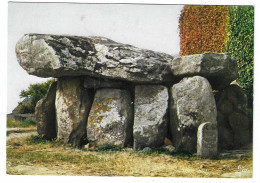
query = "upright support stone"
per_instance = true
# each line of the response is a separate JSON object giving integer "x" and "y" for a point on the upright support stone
{"x": 192, "y": 103}
{"x": 207, "y": 140}
{"x": 110, "y": 120}
{"x": 73, "y": 104}
{"x": 45, "y": 114}
{"x": 151, "y": 116}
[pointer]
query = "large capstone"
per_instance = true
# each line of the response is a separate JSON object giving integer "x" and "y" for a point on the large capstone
{"x": 45, "y": 114}
{"x": 73, "y": 104}
{"x": 110, "y": 120}
{"x": 192, "y": 103}
{"x": 60, "y": 55}
{"x": 218, "y": 68}
{"x": 207, "y": 140}
{"x": 150, "y": 116}
{"x": 95, "y": 83}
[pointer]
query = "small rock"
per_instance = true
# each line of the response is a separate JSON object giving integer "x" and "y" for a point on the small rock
{"x": 147, "y": 149}
{"x": 170, "y": 148}
{"x": 86, "y": 146}
{"x": 224, "y": 167}
{"x": 202, "y": 166}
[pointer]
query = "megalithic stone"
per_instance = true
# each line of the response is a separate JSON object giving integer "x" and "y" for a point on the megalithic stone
{"x": 45, "y": 114}
{"x": 73, "y": 104}
{"x": 110, "y": 120}
{"x": 46, "y": 55}
{"x": 192, "y": 103}
{"x": 150, "y": 116}
{"x": 207, "y": 140}
{"x": 218, "y": 68}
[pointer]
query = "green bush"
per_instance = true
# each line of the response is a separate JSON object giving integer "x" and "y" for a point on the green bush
{"x": 34, "y": 93}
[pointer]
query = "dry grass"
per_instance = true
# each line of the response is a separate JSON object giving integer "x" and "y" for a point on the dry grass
{"x": 52, "y": 158}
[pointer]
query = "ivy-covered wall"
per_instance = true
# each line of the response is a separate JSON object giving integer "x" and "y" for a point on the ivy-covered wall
{"x": 203, "y": 29}
{"x": 240, "y": 44}
{"x": 221, "y": 29}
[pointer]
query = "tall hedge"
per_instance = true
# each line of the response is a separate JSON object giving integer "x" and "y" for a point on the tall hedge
{"x": 240, "y": 44}
{"x": 203, "y": 29}
{"x": 221, "y": 29}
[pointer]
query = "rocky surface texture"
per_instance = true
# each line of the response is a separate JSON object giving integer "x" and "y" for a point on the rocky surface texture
{"x": 73, "y": 104}
{"x": 234, "y": 118}
{"x": 192, "y": 103}
{"x": 57, "y": 56}
{"x": 45, "y": 114}
{"x": 150, "y": 116}
{"x": 110, "y": 121}
{"x": 141, "y": 98}
{"x": 218, "y": 68}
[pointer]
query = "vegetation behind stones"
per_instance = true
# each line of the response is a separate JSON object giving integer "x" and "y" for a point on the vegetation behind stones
{"x": 34, "y": 93}
{"x": 221, "y": 29}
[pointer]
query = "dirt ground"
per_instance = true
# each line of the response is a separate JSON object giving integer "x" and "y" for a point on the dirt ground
{"x": 42, "y": 159}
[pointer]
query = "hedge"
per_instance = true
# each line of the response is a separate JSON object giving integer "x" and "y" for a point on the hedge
{"x": 203, "y": 29}
{"x": 221, "y": 29}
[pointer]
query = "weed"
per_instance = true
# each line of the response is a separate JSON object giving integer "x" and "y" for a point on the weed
{"x": 108, "y": 148}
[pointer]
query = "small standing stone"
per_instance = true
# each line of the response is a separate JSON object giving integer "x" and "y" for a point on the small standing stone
{"x": 207, "y": 140}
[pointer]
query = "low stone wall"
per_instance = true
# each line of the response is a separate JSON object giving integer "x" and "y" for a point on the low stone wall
{"x": 117, "y": 94}
{"x": 20, "y": 117}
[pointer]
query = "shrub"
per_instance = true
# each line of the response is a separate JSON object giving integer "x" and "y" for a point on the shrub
{"x": 34, "y": 93}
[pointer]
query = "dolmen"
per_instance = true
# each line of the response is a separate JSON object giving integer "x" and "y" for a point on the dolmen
{"x": 109, "y": 93}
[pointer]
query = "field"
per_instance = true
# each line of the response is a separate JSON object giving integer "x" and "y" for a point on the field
{"x": 27, "y": 154}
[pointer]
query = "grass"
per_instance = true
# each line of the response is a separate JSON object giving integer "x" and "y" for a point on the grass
{"x": 34, "y": 155}
{"x": 11, "y": 123}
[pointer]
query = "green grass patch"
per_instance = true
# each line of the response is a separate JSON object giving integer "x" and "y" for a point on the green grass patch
{"x": 12, "y": 123}
{"x": 35, "y": 139}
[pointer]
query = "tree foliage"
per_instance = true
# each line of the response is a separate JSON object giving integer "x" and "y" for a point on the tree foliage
{"x": 33, "y": 94}
{"x": 221, "y": 29}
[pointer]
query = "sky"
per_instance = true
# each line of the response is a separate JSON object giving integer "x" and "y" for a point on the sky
{"x": 153, "y": 27}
